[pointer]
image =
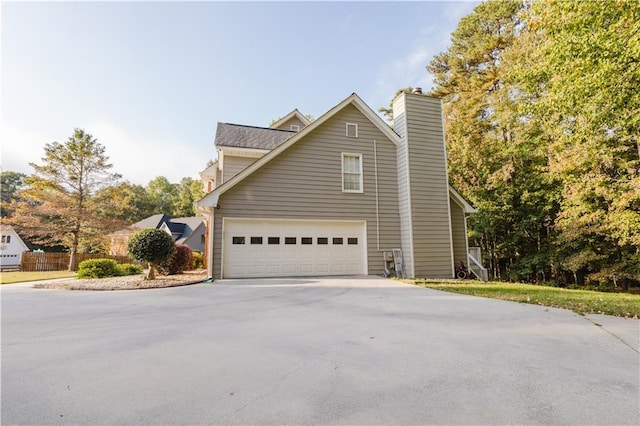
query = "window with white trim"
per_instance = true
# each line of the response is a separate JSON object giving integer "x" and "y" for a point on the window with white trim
{"x": 351, "y": 172}
{"x": 352, "y": 130}
{"x": 295, "y": 127}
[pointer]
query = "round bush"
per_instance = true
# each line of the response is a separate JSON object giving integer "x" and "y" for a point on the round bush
{"x": 151, "y": 245}
{"x": 179, "y": 262}
{"x": 198, "y": 260}
{"x": 98, "y": 268}
{"x": 129, "y": 269}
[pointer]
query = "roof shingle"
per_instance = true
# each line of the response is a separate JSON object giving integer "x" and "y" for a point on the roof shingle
{"x": 239, "y": 136}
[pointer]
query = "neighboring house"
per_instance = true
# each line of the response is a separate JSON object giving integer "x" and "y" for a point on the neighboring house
{"x": 189, "y": 231}
{"x": 11, "y": 248}
{"x": 331, "y": 196}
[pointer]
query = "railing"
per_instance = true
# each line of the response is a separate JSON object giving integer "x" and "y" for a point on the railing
{"x": 60, "y": 261}
{"x": 475, "y": 264}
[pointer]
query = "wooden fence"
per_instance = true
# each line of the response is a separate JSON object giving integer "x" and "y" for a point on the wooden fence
{"x": 60, "y": 261}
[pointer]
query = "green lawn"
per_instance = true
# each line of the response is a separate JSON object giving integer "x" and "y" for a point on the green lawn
{"x": 18, "y": 277}
{"x": 579, "y": 301}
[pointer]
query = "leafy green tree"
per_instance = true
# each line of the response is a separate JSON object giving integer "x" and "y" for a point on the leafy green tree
{"x": 163, "y": 194}
{"x": 10, "y": 184}
{"x": 152, "y": 246}
{"x": 126, "y": 202}
{"x": 582, "y": 73}
{"x": 189, "y": 191}
{"x": 59, "y": 205}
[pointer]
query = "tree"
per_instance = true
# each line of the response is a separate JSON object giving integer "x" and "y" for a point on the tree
{"x": 189, "y": 191}
{"x": 127, "y": 203}
{"x": 59, "y": 206}
{"x": 583, "y": 73}
{"x": 10, "y": 185}
{"x": 163, "y": 194}
{"x": 152, "y": 246}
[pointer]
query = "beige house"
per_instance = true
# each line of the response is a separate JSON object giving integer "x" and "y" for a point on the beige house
{"x": 336, "y": 196}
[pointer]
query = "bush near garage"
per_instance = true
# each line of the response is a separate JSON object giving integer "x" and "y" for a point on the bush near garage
{"x": 179, "y": 262}
{"x": 98, "y": 268}
{"x": 198, "y": 260}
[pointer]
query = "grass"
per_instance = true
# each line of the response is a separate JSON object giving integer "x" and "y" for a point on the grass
{"x": 19, "y": 277}
{"x": 579, "y": 301}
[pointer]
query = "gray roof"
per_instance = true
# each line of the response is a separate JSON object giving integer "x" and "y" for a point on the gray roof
{"x": 239, "y": 136}
{"x": 153, "y": 222}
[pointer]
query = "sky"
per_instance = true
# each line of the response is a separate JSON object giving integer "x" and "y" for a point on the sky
{"x": 150, "y": 80}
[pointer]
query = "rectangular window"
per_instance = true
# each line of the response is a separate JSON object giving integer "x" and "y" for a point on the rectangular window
{"x": 273, "y": 240}
{"x": 289, "y": 240}
{"x": 4, "y": 238}
{"x": 238, "y": 240}
{"x": 351, "y": 172}
{"x": 295, "y": 127}
{"x": 352, "y": 241}
{"x": 202, "y": 239}
{"x": 323, "y": 240}
{"x": 352, "y": 130}
{"x": 306, "y": 240}
{"x": 337, "y": 240}
{"x": 256, "y": 240}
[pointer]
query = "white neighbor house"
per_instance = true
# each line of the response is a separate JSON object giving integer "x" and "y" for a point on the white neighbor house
{"x": 11, "y": 248}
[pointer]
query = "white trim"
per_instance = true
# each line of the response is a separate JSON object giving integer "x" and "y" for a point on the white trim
{"x": 359, "y": 156}
{"x": 294, "y": 113}
{"x": 243, "y": 152}
{"x": 346, "y": 132}
{"x": 459, "y": 200}
{"x": 294, "y": 127}
{"x": 213, "y": 197}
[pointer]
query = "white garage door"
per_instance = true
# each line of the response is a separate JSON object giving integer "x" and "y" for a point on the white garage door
{"x": 280, "y": 248}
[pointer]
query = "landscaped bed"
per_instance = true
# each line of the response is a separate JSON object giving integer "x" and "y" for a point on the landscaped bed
{"x": 129, "y": 282}
{"x": 579, "y": 301}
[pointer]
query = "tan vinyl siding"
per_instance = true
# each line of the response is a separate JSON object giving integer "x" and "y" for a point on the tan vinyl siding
{"x": 432, "y": 248}
{"x": 403, "y": 190}
{"x": 458, "y": 232}
{"x": 234, "y": 165}
{"x": 295, "y": 121}
{"x": 305, "y": 182}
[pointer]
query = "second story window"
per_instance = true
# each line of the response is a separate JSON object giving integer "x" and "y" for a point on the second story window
{"x": 352, "y": 130}
{"x": 351, "y": 172}
{"x": 295, "y": 127}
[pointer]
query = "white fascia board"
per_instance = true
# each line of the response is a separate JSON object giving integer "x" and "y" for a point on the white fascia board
{"x": 243, "y": 152}
{"x": 459, "y": 200}
{"x": 294, "y": 113}
{"x": 212, "y": 198}
{"x": 210, "y": 171}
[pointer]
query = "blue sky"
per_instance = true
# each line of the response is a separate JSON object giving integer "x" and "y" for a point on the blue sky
{"x": 150, "y": 80}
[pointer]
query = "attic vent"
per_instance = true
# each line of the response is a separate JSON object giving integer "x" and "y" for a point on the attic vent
{"x": 295, "y": 127}
{"x": 352, "y": 130}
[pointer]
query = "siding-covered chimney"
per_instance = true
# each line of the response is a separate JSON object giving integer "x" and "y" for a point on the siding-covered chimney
{"x": 423, "y": 187}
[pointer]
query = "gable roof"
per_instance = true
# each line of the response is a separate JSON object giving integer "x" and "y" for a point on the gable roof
{"x": 240, "y": 136}
{"x": 153, "y": 222}
{"x": 211, "y": 199}
{"x": 294, "y": 113}
{"x": 8, "y": 230}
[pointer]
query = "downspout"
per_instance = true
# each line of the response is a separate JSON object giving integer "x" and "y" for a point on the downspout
{"x": 375, "y": 166}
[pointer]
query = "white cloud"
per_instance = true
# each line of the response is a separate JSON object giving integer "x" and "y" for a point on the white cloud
{"x": 138, "y": 158}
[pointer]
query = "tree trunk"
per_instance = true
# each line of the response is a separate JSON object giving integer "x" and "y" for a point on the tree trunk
{"x": 74, "y": 250}
{"x": 151, "y": 272}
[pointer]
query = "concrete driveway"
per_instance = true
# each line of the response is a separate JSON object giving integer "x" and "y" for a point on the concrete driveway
{"x": 309, "y": 351}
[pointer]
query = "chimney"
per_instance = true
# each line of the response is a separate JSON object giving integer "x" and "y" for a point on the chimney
{"x": 417, "y": 90}
{"x": 423, "y": 186}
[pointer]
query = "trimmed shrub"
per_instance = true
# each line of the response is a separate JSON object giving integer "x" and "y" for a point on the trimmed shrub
{"x": 179, "y": 262}
{"x": 98, "y": 268}
{"x": 198, "y": 260}
{"x": 130, "y": 269}
{"x": 153, "y": 246}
